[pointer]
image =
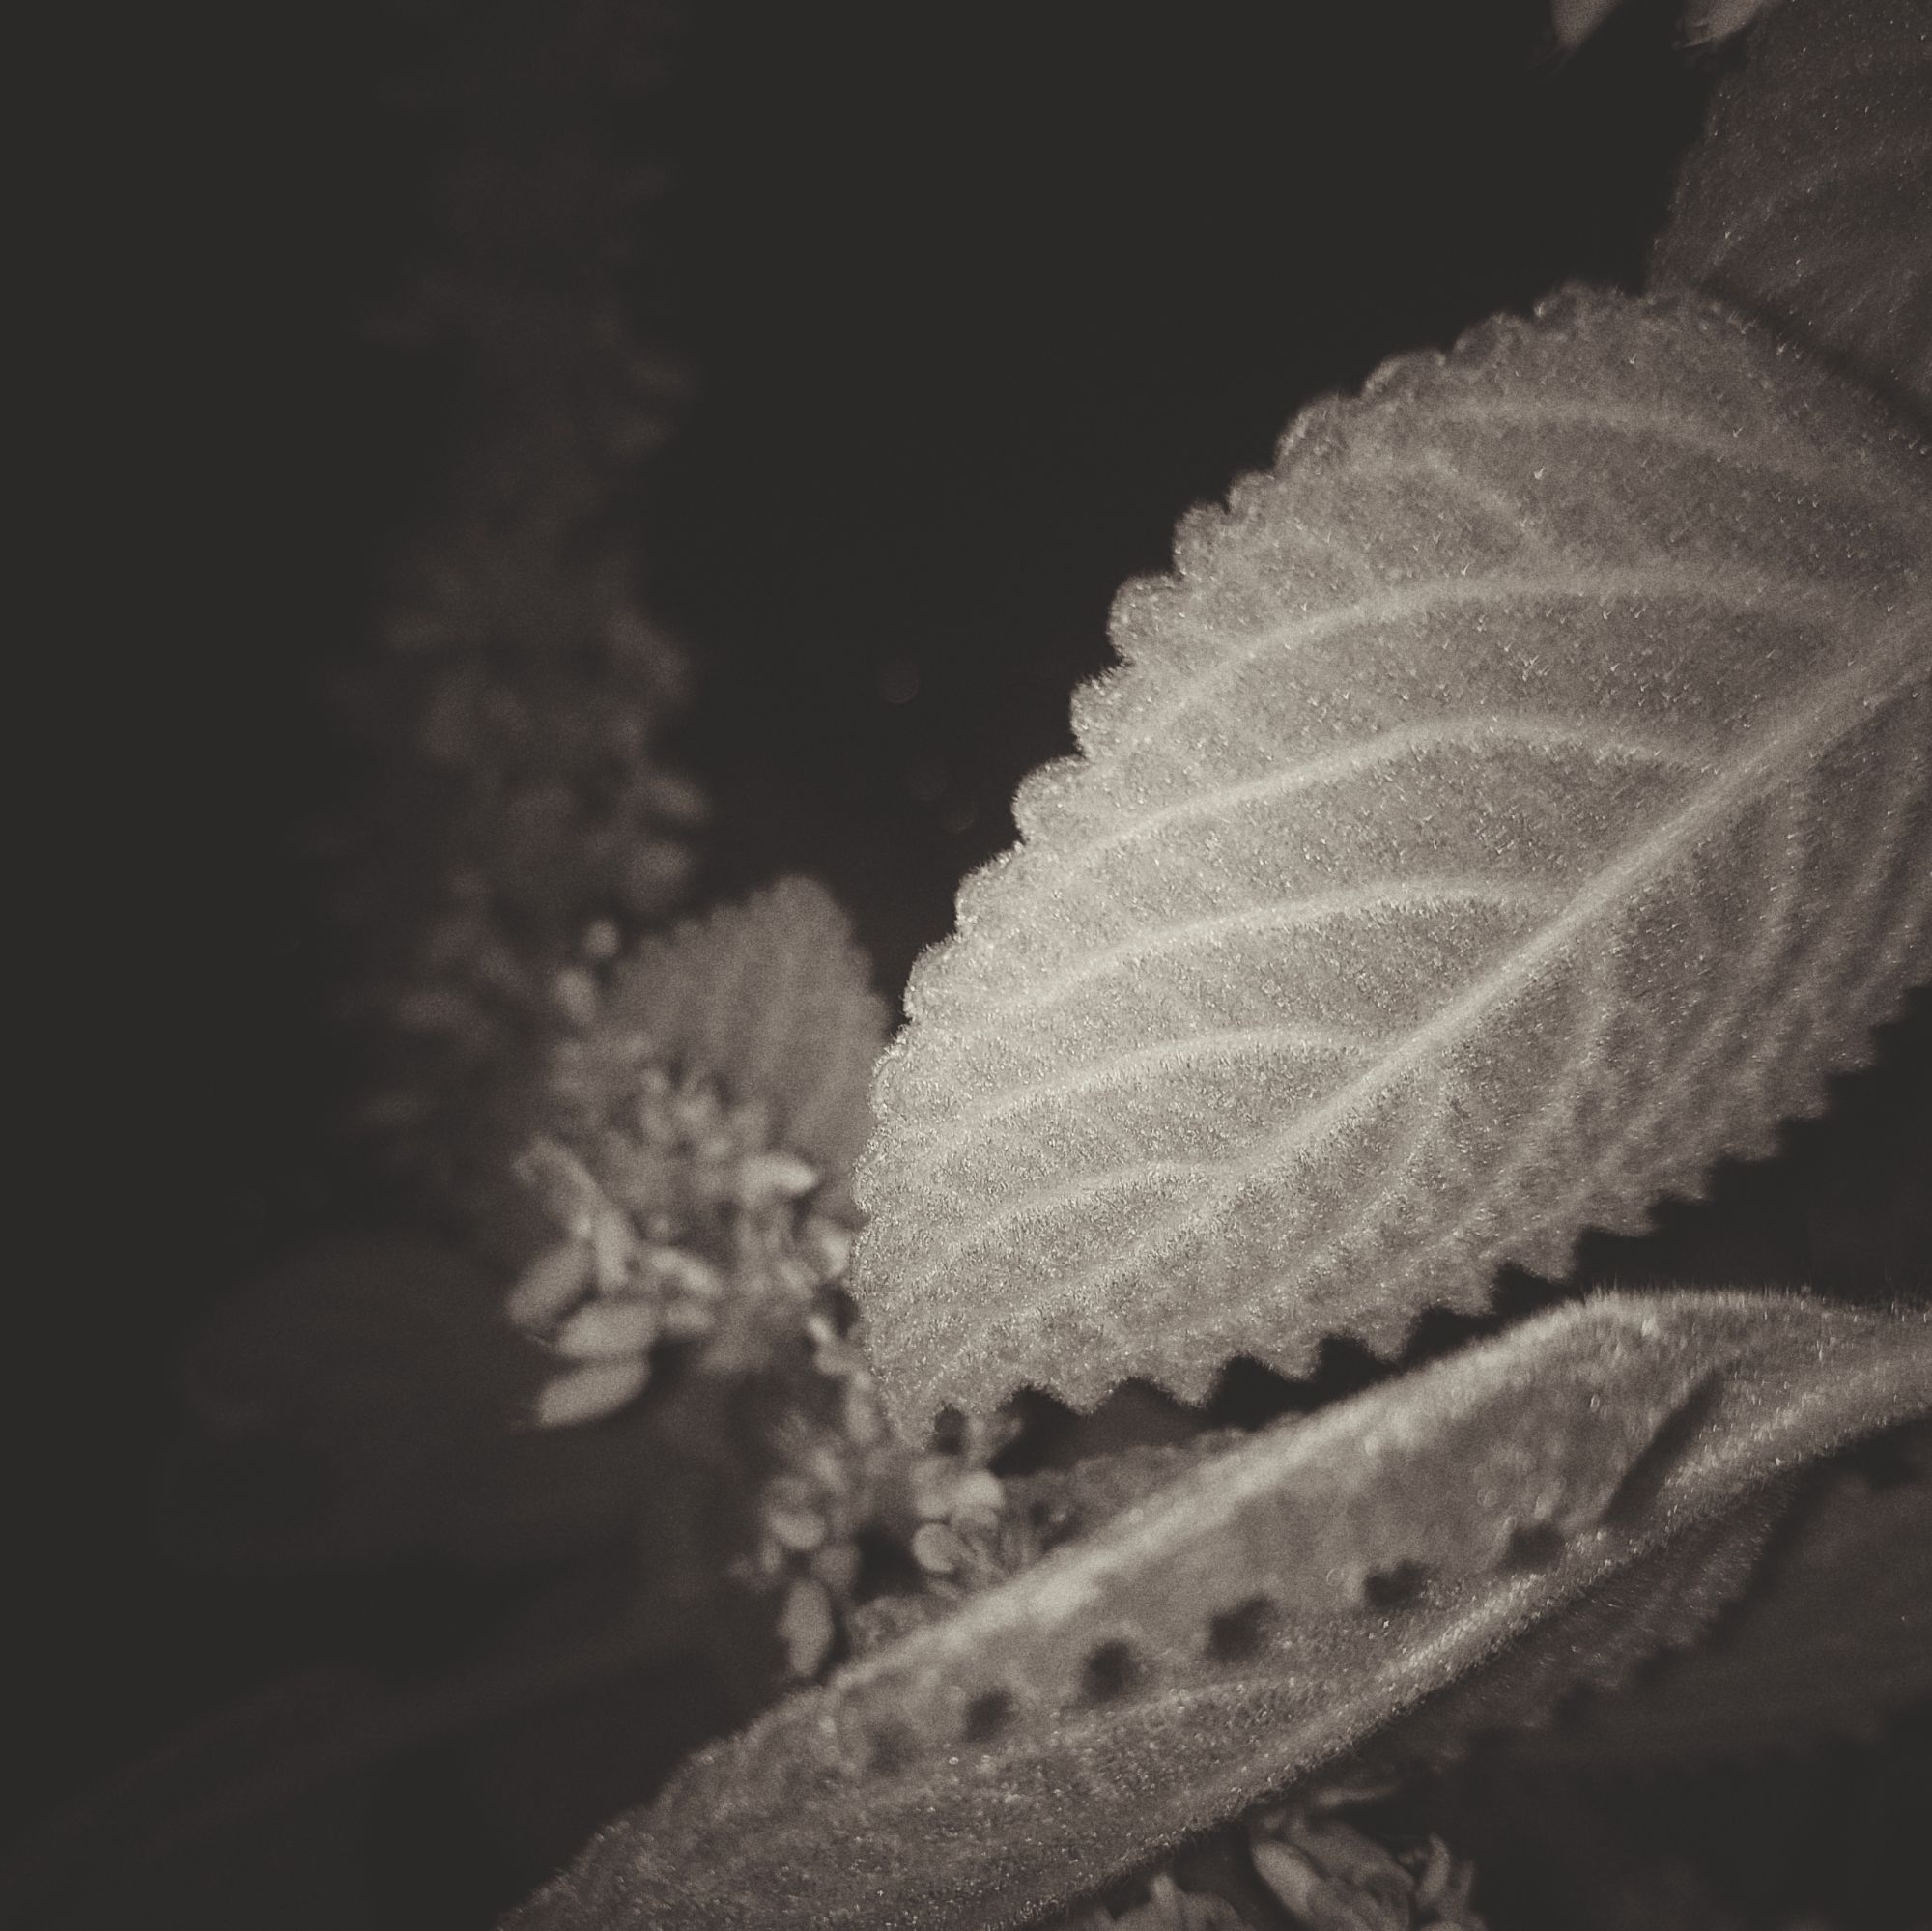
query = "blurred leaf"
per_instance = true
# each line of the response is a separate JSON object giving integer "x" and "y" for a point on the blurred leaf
{"x": 773, "y": 999}
{"x": 1808, "y": 203}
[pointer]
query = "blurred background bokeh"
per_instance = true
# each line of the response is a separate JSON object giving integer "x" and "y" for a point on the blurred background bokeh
{"x": 975, "y": 301}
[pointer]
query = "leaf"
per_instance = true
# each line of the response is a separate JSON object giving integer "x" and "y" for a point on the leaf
{"x": 1837, "y": 1636}
{"x": 773, "y": 999}
{"x": 1511, "y": 803}
{"x": 1664, "y": 1603}
{"x": 1808, "y": 203}
{"x": 1226, "y": 1636}
{"x": 1041, "y": 1511}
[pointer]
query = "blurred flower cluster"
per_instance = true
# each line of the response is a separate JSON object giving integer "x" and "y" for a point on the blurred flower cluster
{"x": 1334, "y": 1877}
{"x": 511, "y": 800}
{"x": 637, "y": 1141}
{"x": 1324, "y": 1872}
{"x": 674, "y": 1216}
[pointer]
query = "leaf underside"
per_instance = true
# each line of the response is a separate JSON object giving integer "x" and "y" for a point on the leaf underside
{"x": 1513, "y": 803}
{"x": 1808, "y": 204}
{"x": 1262, "y": 1614}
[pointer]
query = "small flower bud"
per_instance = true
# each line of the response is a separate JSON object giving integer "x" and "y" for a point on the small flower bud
{"x": 766, "y": 1177}
{"x": 806, "y": 1626}
{"x": 573, "y": 990}
{"x": 940, "y": 1550}
{"x": 687, "y": 1272}
{"x": 859, "y": 1416}
{"x": 612, "y": 1249}
{"x": 608, "y": 1330}
{"x": 829, "y": 1244}
{"x": 978, "y": 1492}
{"x": 836, "y": 1566}
{"x": 1314, "y": 1898}
{"x": 558, "y": 1276}
{"x": 687, "y": 1320}
{"x": 800, "y": 1530}
{"x": 591, "y": 1392}
{"x": 695, "y": 1111}
{"x": 933, "y": 1480}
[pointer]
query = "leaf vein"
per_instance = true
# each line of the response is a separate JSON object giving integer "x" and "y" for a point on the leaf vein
{"x": 1841, "y": 700}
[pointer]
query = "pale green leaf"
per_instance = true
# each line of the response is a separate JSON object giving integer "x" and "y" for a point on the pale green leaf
{"x": 1511, "y": 803}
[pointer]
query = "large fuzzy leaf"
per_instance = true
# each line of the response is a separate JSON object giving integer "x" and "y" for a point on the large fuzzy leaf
{"x": 1512, "y": 802}
{"x": 1808, "y": 204}
{"x": 1262, "y": 1614}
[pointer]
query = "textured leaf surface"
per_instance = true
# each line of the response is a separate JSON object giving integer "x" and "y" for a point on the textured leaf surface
{"x": 1665, "y": 1602}
{"x": 1808, "y": 204}
{"x": 773, "y": 999}
{"x": 1257, "y": 1617}
{"x": 1517, "y": 799}
{"x": 1835, "y": 1638}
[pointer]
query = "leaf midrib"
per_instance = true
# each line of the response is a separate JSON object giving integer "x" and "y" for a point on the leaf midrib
{"x": 1837, "y": 704}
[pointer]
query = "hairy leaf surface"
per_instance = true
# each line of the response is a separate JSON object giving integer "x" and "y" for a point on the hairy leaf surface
{"x": 1512, "y": 802}
{"x": 773, "y": 999}
{"x": 1808, "y": 204}
{"x": 1835, "y": 1638}
{"x": 1260, "y": 1615}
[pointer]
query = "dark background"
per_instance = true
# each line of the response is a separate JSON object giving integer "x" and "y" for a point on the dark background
{"x": 978, "y": 301}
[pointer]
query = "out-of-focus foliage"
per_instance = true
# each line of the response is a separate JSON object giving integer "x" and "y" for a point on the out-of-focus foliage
{"x": 1804, "y": 205}
{"x": 1574, "y": 22}
{"x": 513, "y": 808}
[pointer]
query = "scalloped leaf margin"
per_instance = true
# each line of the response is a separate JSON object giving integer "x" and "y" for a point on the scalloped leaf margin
{"x": 1511, "y": 803}
{"x": 1226, "y": 1637}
